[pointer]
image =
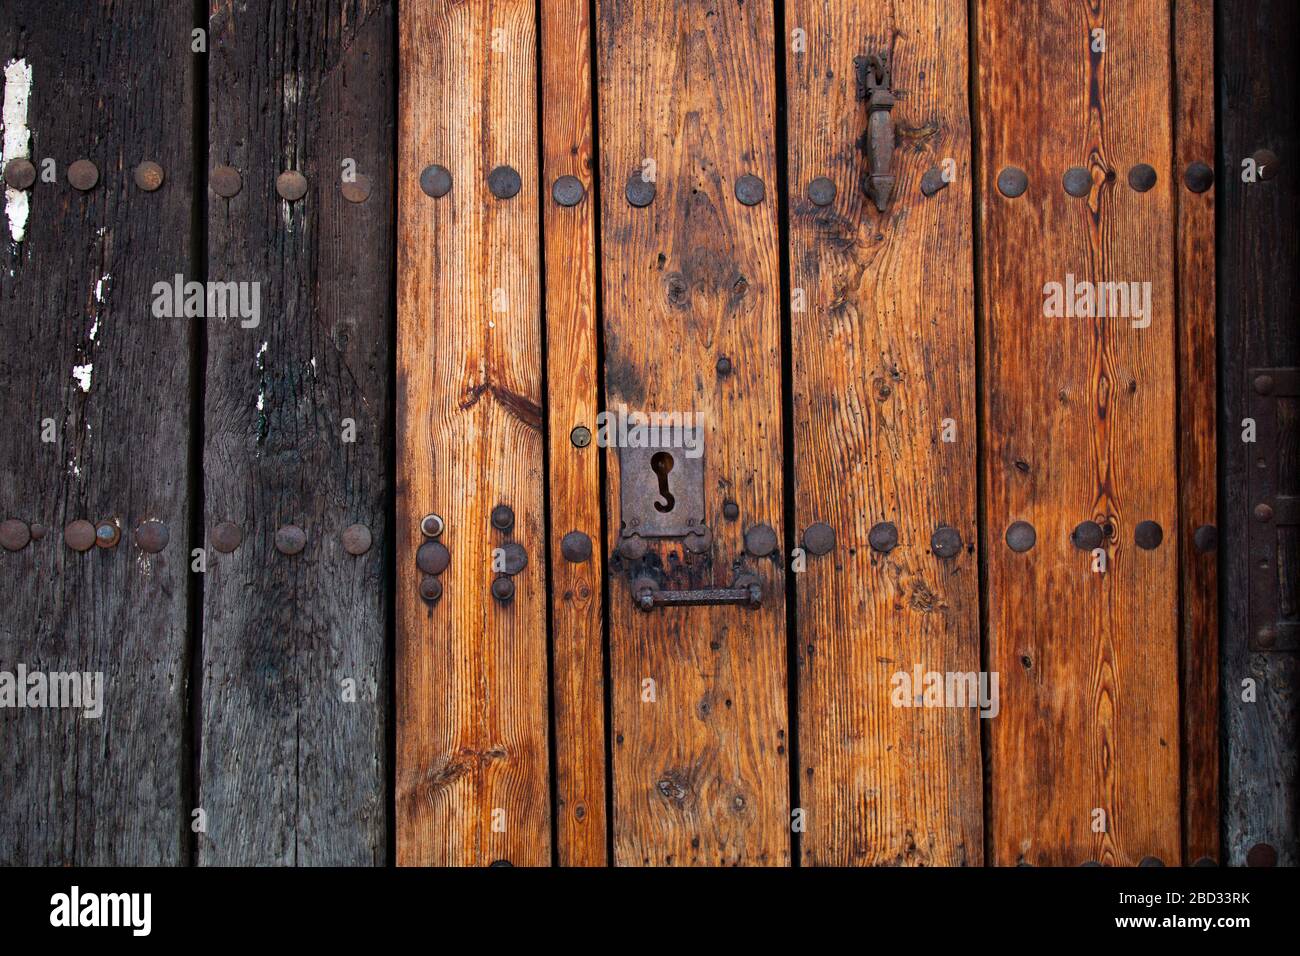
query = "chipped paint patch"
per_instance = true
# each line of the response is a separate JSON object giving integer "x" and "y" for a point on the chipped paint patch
{"x": 17, "y": 141}
{"x": 83, "y": 373}
{"x": 102, "y": 286}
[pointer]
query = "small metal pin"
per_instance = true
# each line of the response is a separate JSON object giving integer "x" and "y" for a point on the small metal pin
{"x": 503, "y": 589}
{"x": 883, "y": 537}
{"x": 819, "y": 538}
{"x": 821, "y": 191}
{"x": 1206, "y": 538}
{"x": 1142, "y": 177}
{"x": 20, "y": 173}
{"x": 430, "y": 588}
{"x": 435, "y": 180}
{"x": 225, "y": 181}
{"x": 1087, "y": 535}
{"x": 432, "y": 557}
{"x": 1148, "y": 535}
{"x": 83, "y": 175}
{"x": 760, "y": 540}
{"x": 432, "y": 525}
{"x": 1198, "y": 177}
{"x": 750, "y": 190}
{"x": 640, "y": 191}
{"x": 504, "y": 182}
{"x": 356, "y": 190}
{"x": 1012, "y": 182}
{"x": 503, "y": 517}
{"x": 576, "y": 547}
{"x": 1077, "y": 181}
{"x": 226, "y": 537}
{"x": 14, "y": 534}
{"x": 933, "y": 181}
{"x": 945, "y": 542}
{"x": 291, "y": 185}
{"x": 79, "y": 535}
{"x": 38, "y": 531}
{"x": 290, "y": 539}
{"x": 356, "y": 539}
{"x": 148, "y": 176}
{"x": 568, "y": 191}
{"x": 1021, "y": 536}
{"x": 580, "y": 436}
{"x": 151, "y": 536}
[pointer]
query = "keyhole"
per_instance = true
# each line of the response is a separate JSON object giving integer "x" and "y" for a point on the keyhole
{"x": 662, "y": 463}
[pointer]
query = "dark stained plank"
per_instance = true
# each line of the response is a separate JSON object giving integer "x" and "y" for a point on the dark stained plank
{"x": 295, "y": 690}
{"x": 472, "y": 763}
{"x": 884, "y": 369}
{"x": 701, "y": 773}
{"x": 83, "y": 350}
{"x": 1079, "y": 425}
{"x": 569, "y": 251}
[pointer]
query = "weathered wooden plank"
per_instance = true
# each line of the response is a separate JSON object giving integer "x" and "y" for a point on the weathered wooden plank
{"x": 1197, "y": 480}
{"x": 1079, "y": 419}
{"x": 87, "y": 365}
{"x": 885, "y": 431}
{"x": 687, "y": 99}
{"x": 569, "y": 252}
{"x": 472, "y": 763}
{"x": 294, "y": 698}
{"x": 1258, "y": 86}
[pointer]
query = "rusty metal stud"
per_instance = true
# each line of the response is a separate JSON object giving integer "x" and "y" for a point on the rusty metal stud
{"x": 290, "y": 539}
{"x": 945, "y": 542}
{"x": 38, "y": 532}
{"x": 151, "y": 536}
{"x": 107, "y": 534}
{"x": 431, "y": 525}
{"x": 1077, "y": 181}
{"x": 79, "y": 535}
{"x": 291, "y": 185}
{"x": 568, "y": 191}
{"x": 699, "y": 541}
{"x": 1261, "y": 854}
{"x": 20, "y": 173}
{"x": 640, "y": 192}
{"x": 883, "y": 537}
{"x": 1012, "y": 182}
{"x": 821, "y": 191}
{"x": 576, "y": 547}
{"x": 1151, "y": 861}
{"x": 356, "y": 190}
{"x": 430, "y": 588}
{"x": 750, "y": 190}
{"x": 1142, "y": 177}
{"x": 1266, "y": 163}
{"x": 1205, "y": 861}
{"x": 580, "y": 436}
{"x": 1198, "y": 177}
{"x": 225, "y": 181}
{"x": 1264, "y": 384}
{"x": 514, "y": 558}
{"x": 1090, "y": 863}
{"x": 723, "y": 366}
{"x": 1021, "y": 536}
{"x": 148, "y": 176}
{"x": 730, "y": 510}
{"x": 14, "y": 534}
{"x": 633, "y": 548}
{"x": 500, "y": 863}
{"x": 226, "y": 537}
{"x": 1148, "y": 535}
{"x": 356, "y": 539}
{"x": 503, "y": 589}
{"x": 760, "y": 540}
{"x": 1266, "y": 636}
{"x": 819, "y": 538}
{"x": 83, "y": 175}
{"x": 435, "y": 180}
{"x": 504, "y": 182}
{"x": 932, "y": 181}
{"x": 432, "y": 557}
{"x": 1206, "y": 538}
{"x": 503, "y": 517}
{"x": 1087, "y": 535}
{"x": 1263, "y": 513}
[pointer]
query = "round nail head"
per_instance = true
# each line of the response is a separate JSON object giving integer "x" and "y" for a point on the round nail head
{"x": 1266, "y": 163}
{"x": 568, "y": 191}
{"x": 723, "y": 366}
{"x": 1012, "y": 182}
{"x": 148, "y": 176}
{"x": 633, "y": 548}
{"x": 356, "y": 539}
{"x": 291, "y": 185}
{"x": 1087, "y": 535}
{"x": 356, "y": 189}
{"x": 514, "y": 558}
{"x": 1263, "y": 513}
{"x": 290, "y": 539}
{"x": 504, "y": 182}
{"x": 1198, "y": 177}
{"x": 1261, "y": 854}
{"x": 945, "y": 542}
{"x": 730, "y": 510}
{"x": 1151, "y": 861}
{"x": 503, "y": 517}
{"x": 432, "y": 525}
{"x": 819, "y": 538}
{"x": 1142, "y": 177}
{"x": 79, "y": 535}
{"x": 83, "y": 175}
{"x": 640, "y": 191}
{"x": 430, "y": 588}
{"x": 580, "y": 436}
{"x": 698, "y": 541}
{"x": 435, "y": 180}
{"x": 107, "y": 534}
{"x": 932, "y": 181}
{"x": 1021, "y": 536}
{"x": 576, "y": 547}
{"x": 1206, "y": 538}
{"x": 1205, "y": 861}
{"x": 821, "y": 191}
{"x": 883, "y": 537}
{"x": 226, "y": 537}
{"x": 503, "y": 589}
{"x": 760, "y": 540}
{"x": 151, "y": 536}
{"x": 14, "y": 534}
{"x": 750, "y": 190}
{"x": 1148, "y": 535}
{"x": 225, "y": 181}
{"x": 20, "y": 173}
{"x": 1077, "y": 182}
{"x": 432, "y": 557}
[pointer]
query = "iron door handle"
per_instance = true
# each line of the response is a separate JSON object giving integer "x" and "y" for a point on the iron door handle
{"x": 878, "y": 142}
{"x": 746, "y": 591}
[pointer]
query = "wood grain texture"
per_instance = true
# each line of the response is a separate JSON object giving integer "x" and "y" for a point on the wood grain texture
{"x": 76, "y": 292}
{"x": 701, "y": 773}
{"x": 1197, "y": 479}
{"x": 292, "y": 772}
{"x": 472, "y": 763}
{"x": 1079, "y": 425}
{"x": 569, "y": 252}
{"x": 1258, "y": 86}
{"x": 883, "y": 355}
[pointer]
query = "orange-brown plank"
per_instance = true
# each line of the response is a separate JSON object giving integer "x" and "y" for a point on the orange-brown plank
{"x": 577, "y": 677}
{"x": 883, "y": 341}
{"x": 1079, "y": 425}
{"x": 700, "y": 774}
{"x": 471, "y": 684}
{"x": 1199, "y": 652}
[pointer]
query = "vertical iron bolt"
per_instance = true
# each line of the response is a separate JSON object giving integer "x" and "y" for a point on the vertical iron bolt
{"x": 356, "y": 190}
{"x": 503, "y": 589}
{"x": 932, "y": 181}
{"x": 107, "y": 534}
{"x": 14, "y": 534}
{"x": 730, "y": 510}
{"x": 225, "y": 181}
{"x": 1087, "y": 535}
{"x": 1206, "y": 538}
{"x": 431, "y": 525}
{"x": 760, "y": 540}
{"x": 724, "y": 366}
{"x": 750, "y": 190}
{"x": 1198, "y": 177}
{"x": 226, "y": 537}
{"x": 79, "y": 535}
{"x": 576, "y": 547}
{"x": 580, "y": 436}
{"x": 432, "y": 557}
{"x": 356, "y": 539}
{"x": 435, "y": 180}
{"x": 1077, "y": 182}
{"x": 291, "y": 185}
{"x": 20, "y": 173}
{"x": 148, "y": 176}
{"x": 568, "y": 191}
{"x": 640, "y": 192}
{"x": 821, "y": 191}
{"x": 290, "y": 539}
{"x": 503, "y": 517}
{"x": 1142, "y": 177}
{"x": 819, "y": 538}
{"x": 1148, "y": 535}
{"x": 151, "y": 536}
{"x": 430, "y": 588}
{"x": 83, "y": 175}
{"x": 1021, "y": 536}
{"x": 946, "y": 542}
{"x": 883, "y": 537}
{"x": 1012, "y": 182}
{"x": 504, "y": 182}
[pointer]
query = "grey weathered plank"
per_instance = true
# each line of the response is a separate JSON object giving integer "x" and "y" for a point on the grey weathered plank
{"x": 76, "y": 292}
{"x": 291, "y": 772}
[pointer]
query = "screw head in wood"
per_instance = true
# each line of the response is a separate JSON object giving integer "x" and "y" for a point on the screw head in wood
{"x": 503, "y": 517}
{"x": 821, "y": 191}
{"x": 432, "y": 557}
{"x": 514, "y": 558}
{"x": 1142, "y": 177}
{"x": 151, "y": 536}
{"x": 730, "y": 510}
{"x": 226, "y": 537}
{"x": 946, "y": 542}
{"x": 1012, "y": 182}
{"x": 435, "y": 180}
{"x": 750, "y": 190}
{"x": 568, "y": 191}
{"x": 148, "y": 176}
{"x": 107, "y": 534}
{"x": 430, "y": 588}
{"x": 291, "y": 185}
{"x": 1021, "y": 536}
{"x": 1261, "y": 854}
{"x": 225, "y": 181}
{"x": 819, "y": 538}
{"x": 1077, "y": 181}
{"x": 883, "y": 537}
{"x": 356, "y": 539}
{"x": 290, "y": 539}
{"x": 640, "y": 192}
{"x": 1148, "y": 535}
{"x": 760, "y": 540}
{"x": 432, "y": 525}
{"x": 356, "y": 190}
{"x": 932, "y": 181}
{"x": 504, "y": 182}
{"x": 503, "y": 589}
{"x": 1198, "y": 177}
{"x": 14, "y": 534}
{"x": 83, "y": 175}
{"x": 79, "y": 535}
{"x": 20, "y": 173}
{"x": 1206, "y": 538}
{"x": 1087, "y": 535}
{"x": 580, "y": 436}
{"x": 576, "y": 547}
{"x": 1267, "y": 165}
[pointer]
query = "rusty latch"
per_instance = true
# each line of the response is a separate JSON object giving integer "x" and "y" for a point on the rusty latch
{"x": 878, "y": 143}
{"x": 745, "y": 591}
{"x": 1271, "y": 600}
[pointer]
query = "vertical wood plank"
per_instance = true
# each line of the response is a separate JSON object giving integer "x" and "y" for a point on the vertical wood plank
{"x": 1197, "y": 479}
{"x": 701, "y": 772}
{"x": 577, "y": 628}
{"x": 85, "y": 359}
{"x": 885, "y": 431}
{"x": 294, "y": 698}
{"x": 472, "y": 773}
{"x": 1079, "y": 419}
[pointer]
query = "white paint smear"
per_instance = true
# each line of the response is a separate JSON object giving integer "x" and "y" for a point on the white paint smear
{"x": 17, "y": 141}
{"x": 82, "y": 374}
